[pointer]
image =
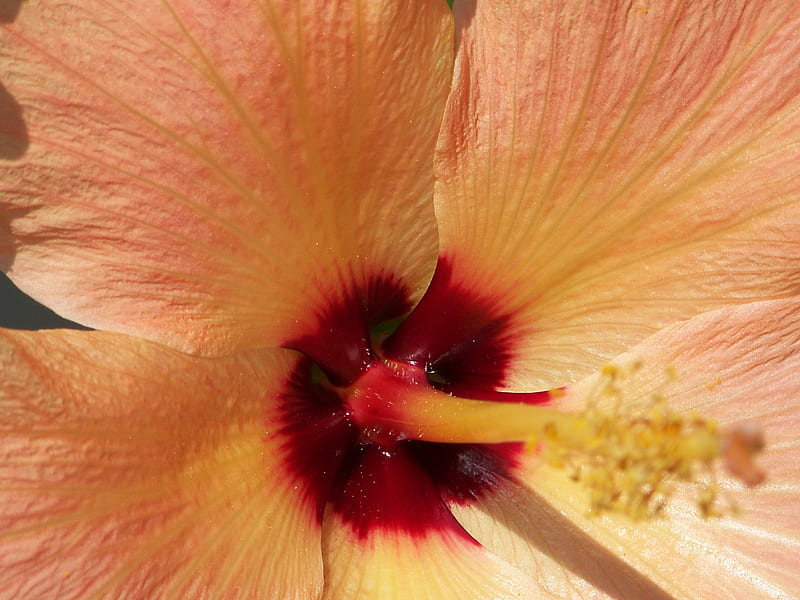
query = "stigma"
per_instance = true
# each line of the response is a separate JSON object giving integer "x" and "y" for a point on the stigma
{"x": 630, "y": 460}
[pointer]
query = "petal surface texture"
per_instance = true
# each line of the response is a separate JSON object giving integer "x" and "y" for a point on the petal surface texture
{"x": 608, "y": 168}
{"x": 209, "y": 174}
{"x": 130, "y": 470}
{"x": 735, "y": 365}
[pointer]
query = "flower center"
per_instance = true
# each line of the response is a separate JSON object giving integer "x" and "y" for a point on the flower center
{"x": 343, "y": 440}
{"x": 389, "y": 435}
{"x": 357, "y": 457}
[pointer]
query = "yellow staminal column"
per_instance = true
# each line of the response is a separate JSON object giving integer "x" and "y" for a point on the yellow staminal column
{"x": 630, "y": 463}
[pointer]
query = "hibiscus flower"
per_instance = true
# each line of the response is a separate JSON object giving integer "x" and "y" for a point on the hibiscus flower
{"x": 356, "y": 270}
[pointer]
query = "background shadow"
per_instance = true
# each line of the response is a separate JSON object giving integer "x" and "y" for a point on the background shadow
{"x": 18, "y": 311}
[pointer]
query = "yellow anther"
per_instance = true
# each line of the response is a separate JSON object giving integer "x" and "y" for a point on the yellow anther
{"x": 610, "y": 371}
{"x": 631, "y": 463}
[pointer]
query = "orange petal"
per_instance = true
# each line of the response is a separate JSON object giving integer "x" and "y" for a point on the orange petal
{"x": 131, "y": 470}
{"x": 213, "y": 176}
{"x": 736, "y": 365}
{"x": 606, "y": 169}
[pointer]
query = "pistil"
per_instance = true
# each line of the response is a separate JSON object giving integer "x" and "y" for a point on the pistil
{"x": 630, "y": 463}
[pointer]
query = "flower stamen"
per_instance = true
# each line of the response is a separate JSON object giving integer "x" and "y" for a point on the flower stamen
{"x": 631, "y": 464}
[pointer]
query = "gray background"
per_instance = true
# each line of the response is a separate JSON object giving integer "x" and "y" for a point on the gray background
{"x": 18, "y": 311}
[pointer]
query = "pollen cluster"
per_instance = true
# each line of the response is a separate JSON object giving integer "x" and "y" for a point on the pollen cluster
{"x": 632, "y": 463}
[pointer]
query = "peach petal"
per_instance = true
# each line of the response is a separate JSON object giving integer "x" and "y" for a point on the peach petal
{"x": 211, "y": 175}
{"x": 737, "y": 365}
{"x": 606, "y": 169}
{"x": 130, "y": 470}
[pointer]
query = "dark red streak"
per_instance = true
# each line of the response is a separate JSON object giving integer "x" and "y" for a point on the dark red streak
{"x": 388, "y": 489}
{"x": 340, "y": 340}
{"x": 457, "y": 333}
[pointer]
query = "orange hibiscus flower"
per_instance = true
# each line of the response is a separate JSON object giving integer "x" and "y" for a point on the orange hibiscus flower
{"x": 335, "y": 255}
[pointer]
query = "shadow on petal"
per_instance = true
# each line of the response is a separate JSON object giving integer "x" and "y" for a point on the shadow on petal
{"x": 13, "y": 132}
{"x": 546, "y": 530}
{"x": 9, "y": 10}
{"x": 464, "y": 11}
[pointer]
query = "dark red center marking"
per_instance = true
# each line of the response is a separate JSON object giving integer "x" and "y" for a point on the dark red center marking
{"x": 373, "y": 478}
{"x": 340, "y": 343}
{"x": 457, "y": 333}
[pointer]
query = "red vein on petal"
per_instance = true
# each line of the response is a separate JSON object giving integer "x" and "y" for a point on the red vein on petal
{"x": 586, "y": 281}
{"x": 217, "y": 80}
{"x": 299, "y": 86}
{"x": 548, "y": 237}
{"x": 649, "y": 165}
{"x": 174, "y": 194}
{"x": 236, "y": 522}
{"x": 576, "y": 123}
{"x": 224, "y": 173}
{"x": 207, "y": 510}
